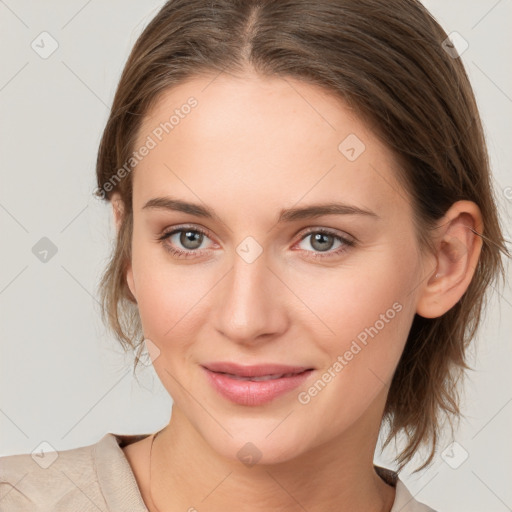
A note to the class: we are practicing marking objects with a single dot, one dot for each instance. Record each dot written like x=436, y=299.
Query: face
x=299, y=250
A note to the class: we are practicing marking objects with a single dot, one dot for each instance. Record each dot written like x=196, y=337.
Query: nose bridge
x=248, y=306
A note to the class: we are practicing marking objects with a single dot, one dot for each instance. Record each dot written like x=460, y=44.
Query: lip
x=257, y=370
x=226, y=379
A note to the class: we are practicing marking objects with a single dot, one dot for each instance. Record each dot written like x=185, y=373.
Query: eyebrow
x=286, y=215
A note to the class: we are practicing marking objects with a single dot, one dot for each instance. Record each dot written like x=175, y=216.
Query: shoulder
x=34, y=481
x=82, y=478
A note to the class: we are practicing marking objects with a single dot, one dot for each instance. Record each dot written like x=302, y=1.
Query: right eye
x=184, y=241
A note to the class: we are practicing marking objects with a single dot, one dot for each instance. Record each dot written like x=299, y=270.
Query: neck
x=186, y=474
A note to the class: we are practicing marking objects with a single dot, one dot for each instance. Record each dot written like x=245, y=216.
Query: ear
x=458, y=246
x=118, y=210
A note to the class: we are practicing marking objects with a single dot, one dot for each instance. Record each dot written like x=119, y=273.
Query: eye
x=185, y=242
x=190, y=238
x=323, y=240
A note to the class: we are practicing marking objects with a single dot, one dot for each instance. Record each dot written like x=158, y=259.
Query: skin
x=250, y=148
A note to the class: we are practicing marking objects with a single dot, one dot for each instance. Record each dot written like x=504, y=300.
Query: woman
x=305, y=232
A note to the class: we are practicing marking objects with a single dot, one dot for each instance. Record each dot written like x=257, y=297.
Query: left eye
x=324, y=241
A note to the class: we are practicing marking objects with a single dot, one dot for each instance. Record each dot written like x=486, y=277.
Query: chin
x=258, y=442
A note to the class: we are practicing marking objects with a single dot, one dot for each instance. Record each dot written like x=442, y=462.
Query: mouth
x=262, y=378
x=254, y=385
x=270, y=370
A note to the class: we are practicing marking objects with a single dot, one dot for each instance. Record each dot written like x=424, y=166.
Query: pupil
x=322, y=239
x=191, y=237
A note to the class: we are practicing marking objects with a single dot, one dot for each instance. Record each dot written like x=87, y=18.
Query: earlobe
x=118, y=209
x=458, y=247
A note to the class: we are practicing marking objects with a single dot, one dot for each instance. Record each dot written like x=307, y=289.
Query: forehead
x=270, y=139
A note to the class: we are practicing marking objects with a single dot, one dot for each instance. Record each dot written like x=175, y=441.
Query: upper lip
x=258, y=370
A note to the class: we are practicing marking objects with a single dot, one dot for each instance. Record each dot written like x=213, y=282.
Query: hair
x=387, y=62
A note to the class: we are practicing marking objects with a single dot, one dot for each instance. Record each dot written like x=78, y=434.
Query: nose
x=250, y=303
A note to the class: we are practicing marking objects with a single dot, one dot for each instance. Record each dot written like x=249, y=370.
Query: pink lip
x=247, y=392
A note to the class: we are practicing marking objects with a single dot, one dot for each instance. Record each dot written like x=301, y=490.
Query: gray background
x=63, y=379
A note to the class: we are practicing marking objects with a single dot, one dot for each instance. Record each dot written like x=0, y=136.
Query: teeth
x=263, y=377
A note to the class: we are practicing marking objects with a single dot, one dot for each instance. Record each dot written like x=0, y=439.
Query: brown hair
x=384, y=59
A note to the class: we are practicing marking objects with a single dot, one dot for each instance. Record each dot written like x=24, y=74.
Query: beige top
x=99, y=478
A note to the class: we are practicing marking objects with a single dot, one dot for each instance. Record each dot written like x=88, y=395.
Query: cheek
x=169, y=296
x=370, y=314
x=366, y=312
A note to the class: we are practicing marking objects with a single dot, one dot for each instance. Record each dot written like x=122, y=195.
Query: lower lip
x=248, y=392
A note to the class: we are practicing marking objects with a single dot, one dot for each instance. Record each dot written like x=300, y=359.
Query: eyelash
x=315, y=255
